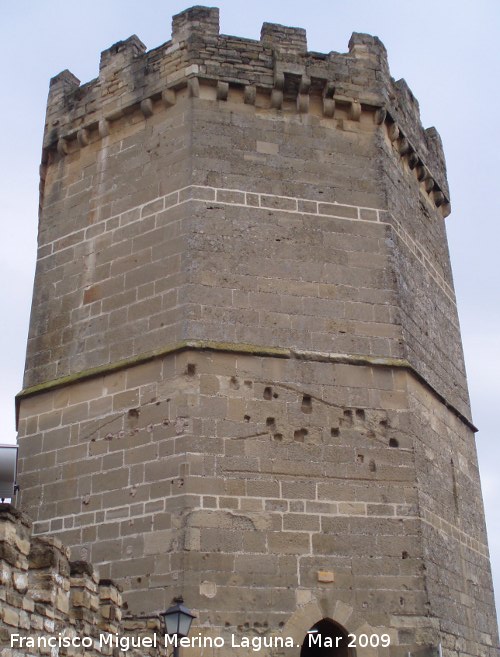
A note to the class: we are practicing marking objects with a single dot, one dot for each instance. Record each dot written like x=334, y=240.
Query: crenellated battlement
x=275, y=73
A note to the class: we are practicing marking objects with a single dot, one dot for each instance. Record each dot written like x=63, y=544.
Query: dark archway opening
x=326, y=639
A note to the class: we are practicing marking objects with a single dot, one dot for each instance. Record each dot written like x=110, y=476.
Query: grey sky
x=447, y=50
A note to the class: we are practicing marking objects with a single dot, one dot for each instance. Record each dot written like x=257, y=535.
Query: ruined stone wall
x=45, y=595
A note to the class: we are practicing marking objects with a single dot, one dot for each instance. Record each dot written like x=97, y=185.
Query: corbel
x=103, y=128
x=303, y=95
x=277, y=92
x=83, y=137
x=62, y=146
x=355, y=110
x=403, y=146
x=438, y=198
x=249, y=94
x=422, y=173
x=413, y=160
x=222, y=90
x=393, y=131
x=168, y=97
x=193, y=87
x=328, y=100
x=147, y=107
x=380, y=115
x=429, y=184
x=445, y=209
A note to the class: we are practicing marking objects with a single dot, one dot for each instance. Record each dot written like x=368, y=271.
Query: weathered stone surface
x=244, y=379
x=39, y=600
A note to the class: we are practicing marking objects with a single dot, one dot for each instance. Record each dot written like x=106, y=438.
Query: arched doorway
x=326, y=639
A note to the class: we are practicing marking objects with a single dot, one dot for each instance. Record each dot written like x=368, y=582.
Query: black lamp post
x=177, y=621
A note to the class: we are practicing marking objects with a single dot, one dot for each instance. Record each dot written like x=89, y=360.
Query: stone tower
x=244, y=379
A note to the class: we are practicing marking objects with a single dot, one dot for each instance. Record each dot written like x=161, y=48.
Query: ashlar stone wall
x=244, y=379
x=255, y=485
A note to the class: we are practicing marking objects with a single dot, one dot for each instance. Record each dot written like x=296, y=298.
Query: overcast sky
x=447, y=50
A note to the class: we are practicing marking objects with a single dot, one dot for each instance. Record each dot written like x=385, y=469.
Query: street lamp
x=177, y=621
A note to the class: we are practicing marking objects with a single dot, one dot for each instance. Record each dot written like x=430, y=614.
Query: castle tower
x=244, y=379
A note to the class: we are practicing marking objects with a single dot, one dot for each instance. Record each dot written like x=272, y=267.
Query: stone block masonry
x=46, y=598
x=244, y=379
x=227, y=475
